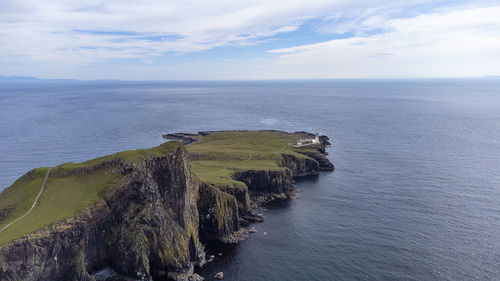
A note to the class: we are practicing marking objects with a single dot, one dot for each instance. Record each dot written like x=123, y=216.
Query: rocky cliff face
x=219, y=214
x=300, y=166
x=264, y=181
x=148, y=228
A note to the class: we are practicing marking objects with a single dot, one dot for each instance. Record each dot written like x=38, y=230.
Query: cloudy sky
x=256, y=39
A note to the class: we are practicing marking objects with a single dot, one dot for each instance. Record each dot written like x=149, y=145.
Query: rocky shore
x=155, y=224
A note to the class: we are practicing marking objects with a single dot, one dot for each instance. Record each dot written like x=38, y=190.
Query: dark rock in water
x=324, y=140
x=219, y=275
x=105, y=274
x=254, y=217
x=262, y=198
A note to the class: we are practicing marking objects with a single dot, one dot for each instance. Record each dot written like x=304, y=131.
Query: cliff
x=241, y=169
x=146, y=228
x=151, y=209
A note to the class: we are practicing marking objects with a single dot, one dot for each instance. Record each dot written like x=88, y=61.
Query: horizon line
x=17, y=78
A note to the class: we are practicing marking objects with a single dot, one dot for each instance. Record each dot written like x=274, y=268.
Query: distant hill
x=29, y=79
x=18, y=79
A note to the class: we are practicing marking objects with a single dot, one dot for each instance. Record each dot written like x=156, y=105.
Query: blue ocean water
x=415, y=194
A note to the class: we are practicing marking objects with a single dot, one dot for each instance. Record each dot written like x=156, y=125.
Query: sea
x=415, y=194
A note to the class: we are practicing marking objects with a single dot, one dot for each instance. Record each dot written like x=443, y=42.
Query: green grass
x=215, y=175
x=62, y=198
x=218, y=155
x=238, y=144
x=18, y=198
x=65, y=193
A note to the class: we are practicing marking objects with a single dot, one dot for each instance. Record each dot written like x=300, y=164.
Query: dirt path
x=34, y=203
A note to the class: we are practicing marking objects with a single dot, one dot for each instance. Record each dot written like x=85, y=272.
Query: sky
x=251, y=39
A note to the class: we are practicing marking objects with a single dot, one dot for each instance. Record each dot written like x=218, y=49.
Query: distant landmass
x=18, y=79
x=30, y=79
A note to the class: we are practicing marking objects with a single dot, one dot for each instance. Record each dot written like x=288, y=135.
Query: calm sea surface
x=416, y=192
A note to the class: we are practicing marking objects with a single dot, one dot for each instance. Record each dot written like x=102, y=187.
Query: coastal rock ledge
x=152, y=224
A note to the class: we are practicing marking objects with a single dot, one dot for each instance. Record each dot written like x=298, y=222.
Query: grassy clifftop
x=215, y=156
x=67, y=191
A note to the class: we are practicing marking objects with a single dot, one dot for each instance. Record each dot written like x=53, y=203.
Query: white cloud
x=457, y=43
x=46, y=29
x=92, y=39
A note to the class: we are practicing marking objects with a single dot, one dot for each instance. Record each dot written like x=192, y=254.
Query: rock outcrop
x=300, y=166
x=219, y=214
x=264, y=181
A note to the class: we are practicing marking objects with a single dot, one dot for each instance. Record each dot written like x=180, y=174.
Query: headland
x=145, y=214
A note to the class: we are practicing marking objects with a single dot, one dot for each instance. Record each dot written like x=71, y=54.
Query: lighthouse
x=306, y=142
x=316, y=138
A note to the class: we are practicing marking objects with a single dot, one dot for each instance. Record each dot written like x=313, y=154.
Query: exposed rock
x=184, y=138
x=219, y=275
x=219, y=215
x=320, y=156
x=259, y=198
x=263, y=181
x=5, y=213
x=300, y=167
x=254, y=217
x=242, y=198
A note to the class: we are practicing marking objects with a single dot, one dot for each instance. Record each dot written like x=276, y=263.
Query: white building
x=303, y=142
x=316, y=138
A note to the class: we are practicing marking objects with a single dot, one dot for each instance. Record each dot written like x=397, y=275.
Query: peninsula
x=145, y=214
